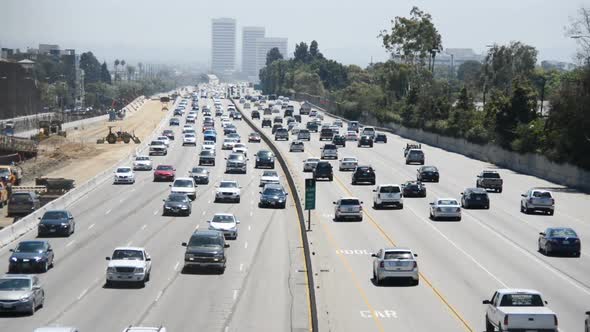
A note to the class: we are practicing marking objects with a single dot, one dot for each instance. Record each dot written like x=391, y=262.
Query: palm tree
x=117, y=62
x=123, y=65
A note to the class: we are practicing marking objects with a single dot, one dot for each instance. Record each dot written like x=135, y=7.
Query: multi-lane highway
x=262, y=289
x=461, y=263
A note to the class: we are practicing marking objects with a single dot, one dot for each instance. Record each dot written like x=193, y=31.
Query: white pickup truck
x=519, y=310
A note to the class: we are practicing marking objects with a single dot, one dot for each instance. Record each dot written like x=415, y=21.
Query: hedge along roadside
x=29, y=222
x=300, y=217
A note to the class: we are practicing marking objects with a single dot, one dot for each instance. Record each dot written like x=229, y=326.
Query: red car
x=254, y=137
x=164, y=173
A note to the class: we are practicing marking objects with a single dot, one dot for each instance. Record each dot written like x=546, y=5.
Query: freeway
x=461, y=263
x=268, y=249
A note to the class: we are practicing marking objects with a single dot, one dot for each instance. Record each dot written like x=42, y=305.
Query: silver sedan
x=445, y=208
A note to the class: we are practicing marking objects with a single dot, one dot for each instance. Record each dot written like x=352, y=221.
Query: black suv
x=275, y=127
x=381, y=138
x=413, y=189
x=427, y=173
x=265, y=158
x=266, y=122
x=339, y=140
x=255, y=115
x=205, y=249
x=323, y=170
x=364, y=174
x=326, y=134
x=365, y=141
x=475, y=198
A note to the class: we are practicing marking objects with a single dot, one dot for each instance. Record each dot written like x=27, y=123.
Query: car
x=562, y=240
x=489, y=180
x=276, y=127
x=281, y=134
x=21, y=293
x=168, y=133
x=351, y=135
x=427, y=173
x=309, y=164
x=164, y=139
x=414, y=189
x=329, y=151
x=353, y=126
x=415, y=156
x=200, y=175
x=304, y=135
x=210, y=135
x=174, y=122
x=264, y=158
x=158, y=148
x=31, y=255
x=587, y=322
x=326, y=134
x=266, y=122
x=338, y=123
x=227, y=190
x=395, y=263
x=273, y=195
x=178, y=111
x=254, y=138
x=124, y=174
x=269, y=177
x=208, y=145
x=348, y=164
x=187, y=127
x=228, y=143
x=236, y=162
x=164, y=173
x=240, y=148
x=128, y=264
x=235, y=136
x=475, y=198
x=267, y=111
x=380, y=138
x=410, y=146
x=142, y=163
x=191, y=118
x=207, y=157
x=247, y=106
x=56, y=222
x=348, y=208
x=369, y=131
x=296, y=146
x=447, y=208
x=189, y=139
x=185, y=186
x=237, y=116
x=22, y=203
x=388, y=195
x=205, y=249
x=230, y=129
x=177, y=204
x=363, y=174
x=519, y=310
x=339, y=140
x=365, y=141
x=255, y=115
x=537, y=200
x=323, y=170
x=312, y=126
x=226, y=223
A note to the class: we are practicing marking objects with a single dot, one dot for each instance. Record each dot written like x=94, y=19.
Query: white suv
x=537, y=200
x=129, y=264
x=388, y=194
x=184, y=186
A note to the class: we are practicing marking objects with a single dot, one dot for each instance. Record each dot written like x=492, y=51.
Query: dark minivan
x=205, y=249
x=22, y=203
x=323, y=170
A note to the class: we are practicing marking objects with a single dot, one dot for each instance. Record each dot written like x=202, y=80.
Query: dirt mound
x=73, y=150
x=53, y=141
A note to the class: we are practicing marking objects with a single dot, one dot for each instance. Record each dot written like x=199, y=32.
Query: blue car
x=210, y=135
x=560, y=240
x=32, y=255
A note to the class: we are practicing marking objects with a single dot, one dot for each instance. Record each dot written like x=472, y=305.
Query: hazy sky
x=180, y=30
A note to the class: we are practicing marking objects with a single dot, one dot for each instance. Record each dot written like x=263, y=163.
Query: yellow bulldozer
x=118, y=136
x=49, y=128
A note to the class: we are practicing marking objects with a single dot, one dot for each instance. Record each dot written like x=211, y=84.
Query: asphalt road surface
x=461, y=263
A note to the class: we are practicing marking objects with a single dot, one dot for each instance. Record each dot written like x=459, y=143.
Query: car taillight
x=382, y=264
x=552, y=201
x=415, y=265
x=458, y=209
x=555, y=319
x=506, y=320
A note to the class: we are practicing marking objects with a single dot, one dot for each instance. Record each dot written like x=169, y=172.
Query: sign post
x=309, y=199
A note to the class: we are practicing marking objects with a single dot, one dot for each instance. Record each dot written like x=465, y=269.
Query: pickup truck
x=489, y=180
x=519, y=310
x=158, y=148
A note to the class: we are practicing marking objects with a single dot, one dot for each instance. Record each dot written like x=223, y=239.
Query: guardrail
x=300, y=216
x=29, y=222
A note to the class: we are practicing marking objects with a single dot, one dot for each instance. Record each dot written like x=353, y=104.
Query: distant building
x=249, y=37
x=48, y=49
x=457, y=56
x=212, y=79
x=263, y=45
x=223, y=46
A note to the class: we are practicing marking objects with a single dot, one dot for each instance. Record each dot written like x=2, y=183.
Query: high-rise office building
x=223, y=46
x=263, y=45
x=249, y=37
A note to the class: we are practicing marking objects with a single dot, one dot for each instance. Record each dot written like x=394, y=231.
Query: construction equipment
x=11, y=173
x=49, y=128
x=119, y=136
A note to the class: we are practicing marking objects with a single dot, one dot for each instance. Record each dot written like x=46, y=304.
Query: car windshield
x=15, y=284
x=183, y=183
x=562, y=232
x=228, y=185
x=349, y=159
x=350, y=201
x=479, y=195
x=235, y=157
x=416, y=153
x=223, y=218
x=164, y=168
x=329, y=147
x=205, y=241
x=206, y=153
x=491, y=175
x=398, y=255
x=189, y=135
x=162, y=138
x=128, y=255
x=313, y=160
x=521, y=300
x=55, y=215
x=30, y=246
x=20, y=197
x=429, y=169
x=447, y=202
x=364, y=169
x=199, y=170
x=4, y=172
x=177, y=198
x=542, y=194
x=389, y=189
x=270, y=173
x=123, y=170
x=412, y=186
x=272, y=191
x=142, y=158
x=157, y=143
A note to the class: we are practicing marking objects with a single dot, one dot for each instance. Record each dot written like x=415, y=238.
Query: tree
x=413, y=39
x=314, y=50
x=117, y=62
x=91, y=67
x=521, y=108
x=301, y=52
x=105, y=75
x=273, y=55
x=469, y=73
x=580, y=30
x=505, y=63
x=140, y=67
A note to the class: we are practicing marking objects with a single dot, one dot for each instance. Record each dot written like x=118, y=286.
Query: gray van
x=23, y=203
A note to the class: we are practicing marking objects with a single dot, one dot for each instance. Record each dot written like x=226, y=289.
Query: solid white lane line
x=209, y=202
x=158, y=296
x=235, y=294
x=109, y=211
x=176, y=266
x=90, y=227
x=204, y=212
x=82, y=294
x=70, y=243
x=143, y=227
x=251, y=213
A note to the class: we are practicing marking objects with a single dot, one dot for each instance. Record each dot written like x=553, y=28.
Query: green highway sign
x=310, y=194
